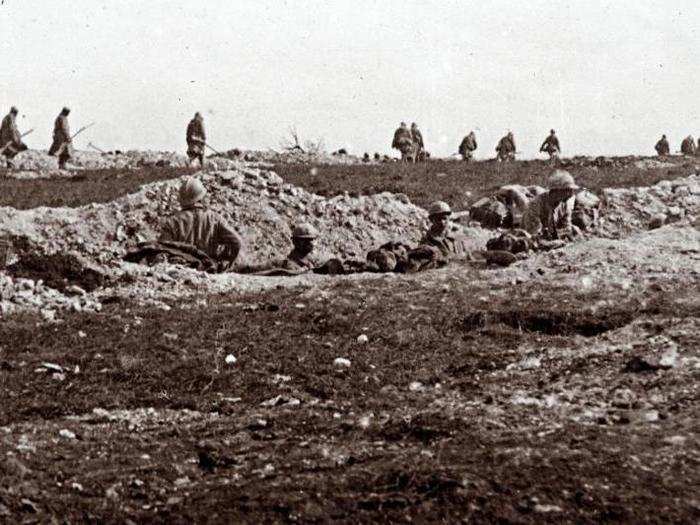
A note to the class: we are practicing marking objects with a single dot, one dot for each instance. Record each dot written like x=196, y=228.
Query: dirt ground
x=560, y=389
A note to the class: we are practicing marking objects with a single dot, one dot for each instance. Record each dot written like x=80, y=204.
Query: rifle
x=2, y=150
x=208, y=146
x=81, y=130
x=91, y=145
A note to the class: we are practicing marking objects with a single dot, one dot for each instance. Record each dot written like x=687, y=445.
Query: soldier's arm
x=228, y=237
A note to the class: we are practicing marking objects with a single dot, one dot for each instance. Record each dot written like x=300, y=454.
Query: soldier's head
x=439, y=216
x=562, y=186
x=663, y=136
x=414, y=125
x=403, y=125
x=65, y=111
x=303, y=238
x=552, y=132
x=192, y=192
x=198, y=116
x=14, y=111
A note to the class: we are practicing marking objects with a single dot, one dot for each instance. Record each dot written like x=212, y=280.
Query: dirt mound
x=38, y=164
x=293, y=156
x=255, y=202
x=632, y=209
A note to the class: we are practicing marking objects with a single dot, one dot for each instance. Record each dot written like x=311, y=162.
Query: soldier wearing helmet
x=196, y=139
x=551, y=145
x=663, y=148
x=62, y=146
x=10, y=139
x=194, y=224
x=300, y=258
x=438, y=235
x=550, y=213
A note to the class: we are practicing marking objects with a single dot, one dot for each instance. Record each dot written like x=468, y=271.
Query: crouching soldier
x=438, y=234
x=549, y=215
x=301, y=259
x=195, y=225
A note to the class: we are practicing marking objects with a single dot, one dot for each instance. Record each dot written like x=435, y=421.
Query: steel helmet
x=439, y=208
x=191, y=191
x=304, y=231
x=561, y=179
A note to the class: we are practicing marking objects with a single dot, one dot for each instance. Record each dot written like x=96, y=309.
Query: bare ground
x=561, y=389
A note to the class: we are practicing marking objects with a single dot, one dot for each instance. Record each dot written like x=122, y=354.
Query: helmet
x=191, y=191
x=552, y=131
x=439, y=208
x=304, y=231
x=65, y=110
x=561, y=179
x=14, y=110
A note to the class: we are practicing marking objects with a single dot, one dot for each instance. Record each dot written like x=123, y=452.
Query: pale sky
x=609, y=76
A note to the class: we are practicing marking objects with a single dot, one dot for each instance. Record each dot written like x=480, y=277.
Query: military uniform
x=62, y=145
x=506, y=148
x=403, y=141
x=448, y=244
x=541, y=217
x=297, y=262
x=551, y=146
x=196, y=139
x=688, y=146
x=663, y=147
x=467, y=146
x=10, y=138
x=203, y=229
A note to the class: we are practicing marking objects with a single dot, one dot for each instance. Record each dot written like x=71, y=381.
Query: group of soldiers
x=688, y=146
x=538, y=217
x=11, y=143
x=409, y=142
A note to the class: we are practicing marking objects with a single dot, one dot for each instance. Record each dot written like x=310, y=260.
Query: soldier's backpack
x=490, y=212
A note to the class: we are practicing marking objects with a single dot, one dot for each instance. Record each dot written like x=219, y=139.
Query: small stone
x=231, y=359
x=341, y=362
x=362, y=339
x=67, y=434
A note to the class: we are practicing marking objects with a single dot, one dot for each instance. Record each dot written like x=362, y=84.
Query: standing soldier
x=468, y=146
x=506, y=148
x=662, y=147
x=417, y=139
x=403, y=141
x=196, y=139
x=688, y=146
x=10, y=139
x=62, y=146
x=551, y=145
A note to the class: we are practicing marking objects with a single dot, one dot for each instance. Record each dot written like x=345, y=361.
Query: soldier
x=403, y=141
x=199, y=227
x=438, y=235
x=468, y=146
x=551, y=145
x=417, y=139
x=662, y=147
x=506, y=148
x=10, y=139
x=688, y=146
x=299, y=259
x=196, y=139
x=550, y=213
x=62, y=145
x=516, y=199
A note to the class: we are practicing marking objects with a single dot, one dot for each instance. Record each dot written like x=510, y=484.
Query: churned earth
x=560, y=389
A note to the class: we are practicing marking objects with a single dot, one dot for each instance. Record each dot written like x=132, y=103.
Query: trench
x=550, y=322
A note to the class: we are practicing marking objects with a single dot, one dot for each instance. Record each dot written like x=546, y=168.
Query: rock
x=341, y=362
x=657, y=221
x=67, y=434
x=230, y=359
x=362, y=339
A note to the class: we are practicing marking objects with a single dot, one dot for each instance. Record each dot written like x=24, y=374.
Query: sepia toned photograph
x=349, y=261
